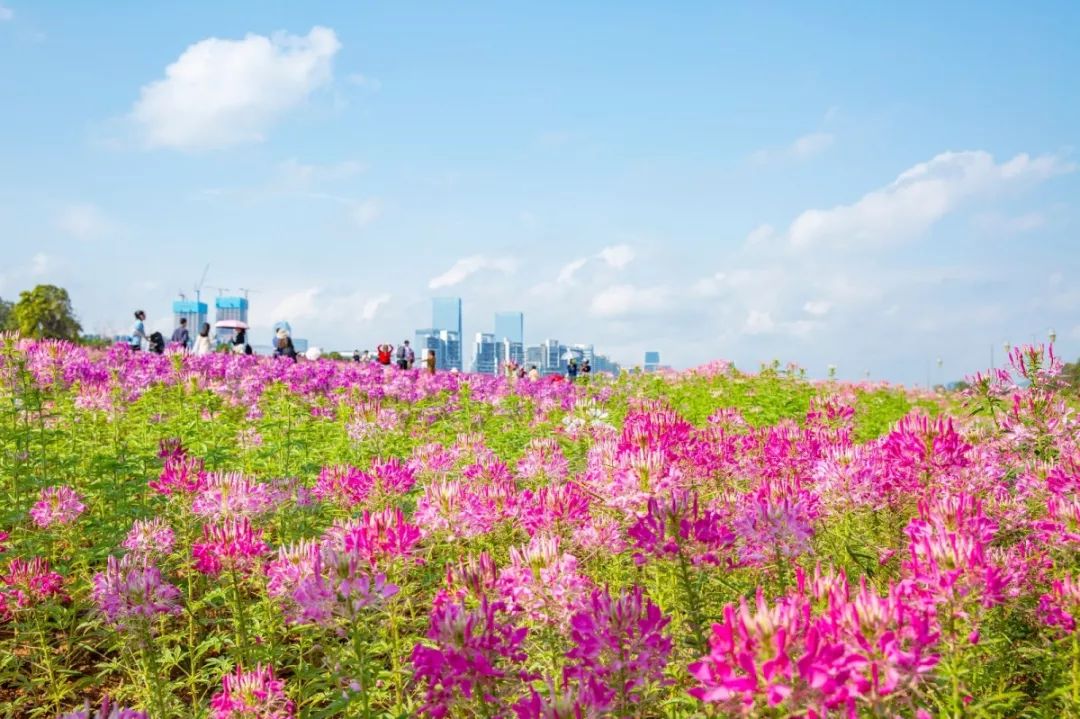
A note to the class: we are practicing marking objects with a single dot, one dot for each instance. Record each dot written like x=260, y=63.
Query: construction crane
x=220, y=290
x=198, y=287
x=245, y=290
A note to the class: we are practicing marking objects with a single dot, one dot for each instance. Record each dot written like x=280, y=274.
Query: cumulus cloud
x=40, y=263
x=371, y=307
x=758, y=322
x=628, y=300
x=83, y=221
x=6, y=13
x=365, y=212
x=466, y=267
x=297, y=305
x=818, y=308
x=223, y=92
x=918, y=198
x=802, y=148
x=566, y=274
x=617, y=256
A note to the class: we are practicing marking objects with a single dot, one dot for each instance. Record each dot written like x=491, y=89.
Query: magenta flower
x=3, y=538
x=542, y=581
x=620, y=649
x=474, y=655
x=26, y=584
x=57, y=505
x=378, y=537
x=132, y=590
x=348, y=486
x=339, y=587
x=150, y=537
x=234, y=495
x=1061, y=605
x=392, y=476
x=254, y=694
x=554, y=507
x=233, y=544
x=676, y=526
x=106, y=710
x=771, y=528
x=180, y=473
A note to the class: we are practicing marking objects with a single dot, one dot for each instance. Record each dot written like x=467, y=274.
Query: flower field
x=227, y=536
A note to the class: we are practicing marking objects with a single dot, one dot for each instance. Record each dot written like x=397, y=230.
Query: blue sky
x=872, y=187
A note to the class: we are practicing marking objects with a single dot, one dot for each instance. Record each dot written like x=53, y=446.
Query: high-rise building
x=428, y=339
x=652, y=361
x=191, y=310
x=509, y=338
x=446, y=316
x=229, y=308
x=451, y=342
x=534, y=355
x=510, y=326
x=484, y=353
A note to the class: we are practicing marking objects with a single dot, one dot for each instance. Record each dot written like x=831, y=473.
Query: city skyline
x=765, y=182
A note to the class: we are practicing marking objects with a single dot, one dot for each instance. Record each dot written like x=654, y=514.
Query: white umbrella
x=231, y=325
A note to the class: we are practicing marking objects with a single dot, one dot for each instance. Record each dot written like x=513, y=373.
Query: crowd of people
x=403, y=356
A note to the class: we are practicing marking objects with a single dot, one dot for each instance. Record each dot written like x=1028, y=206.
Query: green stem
x=693, y=604
x=153, y=671
x=239, y=617
x=361, y=659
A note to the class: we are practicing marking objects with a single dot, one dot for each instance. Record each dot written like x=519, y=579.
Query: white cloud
x=365, y=212
x=818, y=308
x=626, y=300
x=40, y=264
x=566, y=274
x=6, y=13
x=993, y=222
x=802, y=148
x=83, y=221
x=299, y=175
x=918, y=198
x=813, y=144
x=371, y=307
x=760, y=235
x=464, y=268
x=758, y=323
x=297, y=306
x=222, y=92
x=368, y=83
x=617, y=256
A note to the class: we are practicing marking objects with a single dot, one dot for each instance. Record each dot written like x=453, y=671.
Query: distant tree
x=5, y=313
x=45, y=312
x=1070, y=375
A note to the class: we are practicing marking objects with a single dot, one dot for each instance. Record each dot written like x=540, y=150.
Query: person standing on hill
x=385, y=354
x=180, y=335
x=572, y=369
x=429, y=361
x=410, y=356
x=403, y=355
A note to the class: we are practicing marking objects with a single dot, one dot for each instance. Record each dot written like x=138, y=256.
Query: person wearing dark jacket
x=180, y=335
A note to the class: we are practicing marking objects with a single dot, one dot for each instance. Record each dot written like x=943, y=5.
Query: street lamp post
x=1053, y=336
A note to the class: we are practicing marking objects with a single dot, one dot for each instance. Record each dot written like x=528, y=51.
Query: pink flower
x=676, y=526
x=106, y=710
x=181, y=473
x=472, y=654
x=150, y=537
x=254, y=694
x=3, y=538
x=131, y=590
x=26, y=584
x=231, y=495
x=378, y=537
x=57, y=505
x=348, y=486
x=1061, y=605
x=233, y=544
x=338, y=588
x=543, y=581
x=771, y=527
x=392, y=476
x=554, y=507
x=620, y=649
